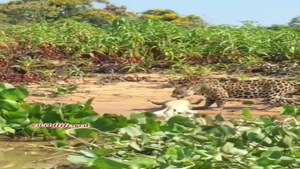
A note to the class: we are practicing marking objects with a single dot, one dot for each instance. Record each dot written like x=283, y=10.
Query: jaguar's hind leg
x=279, y=101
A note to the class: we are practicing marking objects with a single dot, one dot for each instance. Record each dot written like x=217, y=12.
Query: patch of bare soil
x=125, y=96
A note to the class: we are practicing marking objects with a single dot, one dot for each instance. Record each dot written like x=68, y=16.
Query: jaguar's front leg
x=208, y=103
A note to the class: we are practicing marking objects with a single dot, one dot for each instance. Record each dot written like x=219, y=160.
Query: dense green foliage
x=35, y=34
x=173, y=17
x=141, y=141
x=153, y=40
x=26, y=12
x=112, y=38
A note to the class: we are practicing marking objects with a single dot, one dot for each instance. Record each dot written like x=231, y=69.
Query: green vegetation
x=141, y=141
x=159, y=40
x=113, y=39
x=42, y=40
x=173, y=17
x=137, y=45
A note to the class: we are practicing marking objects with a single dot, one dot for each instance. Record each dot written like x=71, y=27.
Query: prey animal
x=176, y=107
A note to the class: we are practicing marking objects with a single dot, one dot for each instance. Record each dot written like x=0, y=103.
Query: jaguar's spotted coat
x=274, y=92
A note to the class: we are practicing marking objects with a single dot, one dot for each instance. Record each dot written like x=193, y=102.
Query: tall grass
x=156, y=40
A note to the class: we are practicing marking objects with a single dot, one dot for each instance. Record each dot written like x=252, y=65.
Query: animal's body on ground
x=274, y=92
x=176, y=107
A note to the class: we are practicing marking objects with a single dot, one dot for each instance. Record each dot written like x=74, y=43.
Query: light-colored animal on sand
x=172, y=108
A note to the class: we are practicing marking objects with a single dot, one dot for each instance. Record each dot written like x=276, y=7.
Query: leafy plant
x=141, y=141
x=60, y=90
x=182, y=143
x=133, y=45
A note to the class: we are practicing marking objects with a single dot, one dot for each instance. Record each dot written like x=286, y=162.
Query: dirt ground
x=127, y=97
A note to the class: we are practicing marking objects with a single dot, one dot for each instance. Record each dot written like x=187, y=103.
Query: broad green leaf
x=103, y=152
x=46, y=132
x=291, y=134
x=87, y=119
x=265, y=161
x=218, y=157
x=109, y=163
x=52, y=116
x=237, y=151
x=255, y=134
x=89, y=102
x=179, y=120
x=151, y=125
x=287, y=140
x=139, y=163
x=296, y=154
x=109, y=123
x=2, y=122
x=272, y=154
x=287, y=161
x=200, y=138
x=18, y=121
x=88, y=109
x=171, y=153
x=258, y=167
x=131, y=131
x=15, y=94
x=87, y=153
x=78, y=159
x=238, y=142
x=2, y=131
x=85, y=133
x=9, y=105
x=9, y=130
x=226, y=130
x=14, y=115
x=228, y=148
x=4, y=86
x=135, y=146
x=220, y=117
x=227, y=123
x=247, y=113
x=137, y=115
x=291, y=110
x=60, y=133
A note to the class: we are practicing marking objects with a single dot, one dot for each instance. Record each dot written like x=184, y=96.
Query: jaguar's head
x=182, y=91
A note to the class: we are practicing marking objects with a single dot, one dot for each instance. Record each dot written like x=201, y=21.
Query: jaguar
x=275, y=92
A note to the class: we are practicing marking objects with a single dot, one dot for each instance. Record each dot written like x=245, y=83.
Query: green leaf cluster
x=142, y=141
